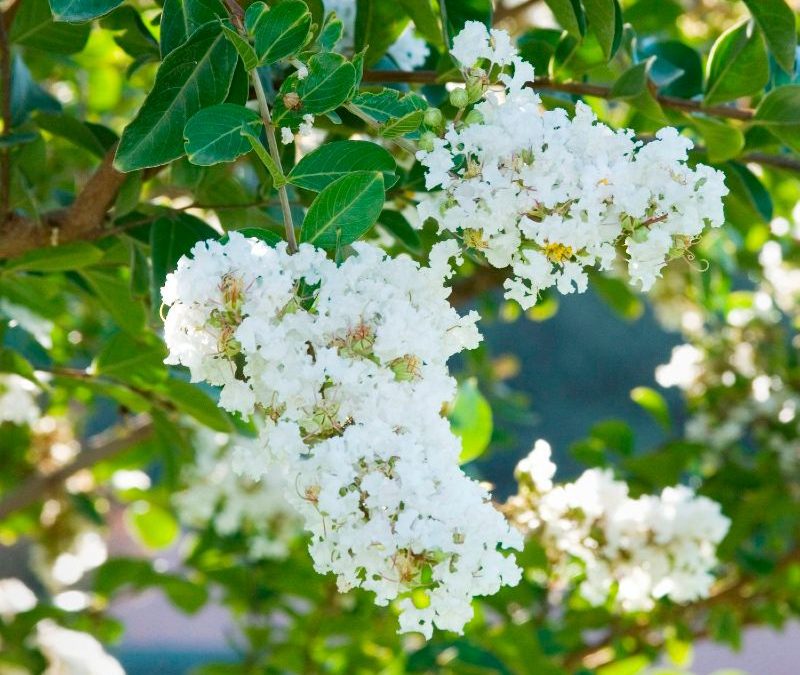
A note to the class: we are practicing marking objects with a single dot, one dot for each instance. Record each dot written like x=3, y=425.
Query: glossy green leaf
x=57, y=258
x=172, y=237
x=397, y=224
x=34, y=27
x=722, y=141
x=131, y=359
x=332, y=161
x=194, y=76
x=26, y=95
x=378, y=25
x=329, y=82
x=779, y=111
x=131, y=34
x=280, y=32
x=745, y=185
x=677, y=69
x=458, y=12
x=471, y=420
x=400, y=126
x=425, y=18
x=777, y=21
x=81, y=10
x=344, y=210
x=243, y=47
x=570, y=16
x=114, y=294
x=331, y=32
x=737, y=65
x=605, y=21
x=181, y=18
x=389, y=104
x=190, y=399
x=214, y=134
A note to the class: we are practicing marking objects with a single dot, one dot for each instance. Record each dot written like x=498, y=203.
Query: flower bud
x=433, y=118
x=474, y=91
x=459, y=98
x=473, y=117
x=426, y=141
x=292, y=100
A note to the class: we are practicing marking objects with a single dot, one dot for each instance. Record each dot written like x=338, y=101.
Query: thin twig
x=98, y=448
x=578, y=88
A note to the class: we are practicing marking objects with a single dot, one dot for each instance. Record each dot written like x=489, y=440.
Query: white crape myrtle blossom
x=346, y=369
x=408, y=51
x=634, y=551
x=550, y=196
x=18, y=400
x=215, y=495
x=71, y=652
x=15, y=598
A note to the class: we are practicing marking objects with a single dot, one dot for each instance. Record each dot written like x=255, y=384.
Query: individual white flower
x=307, y=125
x=287, y=135
x=15, y=598
x=550, y=196
x=348, y=403
x=70, y=652
x=18, y=400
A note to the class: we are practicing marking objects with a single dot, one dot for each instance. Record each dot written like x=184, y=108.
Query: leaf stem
x=272, y=141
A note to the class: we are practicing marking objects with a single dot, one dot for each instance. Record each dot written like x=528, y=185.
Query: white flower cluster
x=67, y=652
x=346, y=368
x=550, y=195
x=18, y=400
x=632, y=550
x=408, y=51
x=229, y=503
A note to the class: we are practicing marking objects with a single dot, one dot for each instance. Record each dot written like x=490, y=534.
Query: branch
x=578, y=88
x=98, y=448
x=505, y=12
x=84, y=219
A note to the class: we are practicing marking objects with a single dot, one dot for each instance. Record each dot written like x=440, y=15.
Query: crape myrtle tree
x=239, y=243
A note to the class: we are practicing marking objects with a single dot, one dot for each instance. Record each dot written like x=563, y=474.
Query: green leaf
x=12, y=361
x=722, y=141
x=81, y=10
x=425, y=19
x=344, y=210
x=745, y=185
x=278, y=179
x=378, y=25
x=605, y=21
x=471, y=420
x=243, y=48
x=171, y=238
x=34, y=27
x=181, y=18
x=779, y=111
x=737, y=65
x=131, y=359
x=777, y=21
x=396, y=223
x=677, y=69
x=57, y=258
x=569, y=15
x=331, y=32
x=633, y=665
x=654, y=404
x=280, y=32
x=331, y=161
x=328, y=84
x=114, y=294
x=400, y=126
x=190, y=399
x=389, y=106
x=153, y=525
x=458, y=12
x=618, y=295
x=73, y=130
x=633, y=86
x=194, y=76
x=267, y=236
x=214, y=134
x=27, y=95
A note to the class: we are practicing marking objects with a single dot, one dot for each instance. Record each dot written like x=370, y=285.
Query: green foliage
x=471, y=420
x=332, y=161
x=344, y=210
x=214, y=134
x=81, y=10
x=737, y=65
x=280, y=32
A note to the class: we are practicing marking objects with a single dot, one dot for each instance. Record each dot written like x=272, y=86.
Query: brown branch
x=98, y=448
x=504, y=12
x=578, y=88
x=83, y=220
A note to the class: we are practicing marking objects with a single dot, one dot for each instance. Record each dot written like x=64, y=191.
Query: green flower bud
x=426, y=141
x=473, y=117
x=475, y=91
x=459, y=98
x=433, y=118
